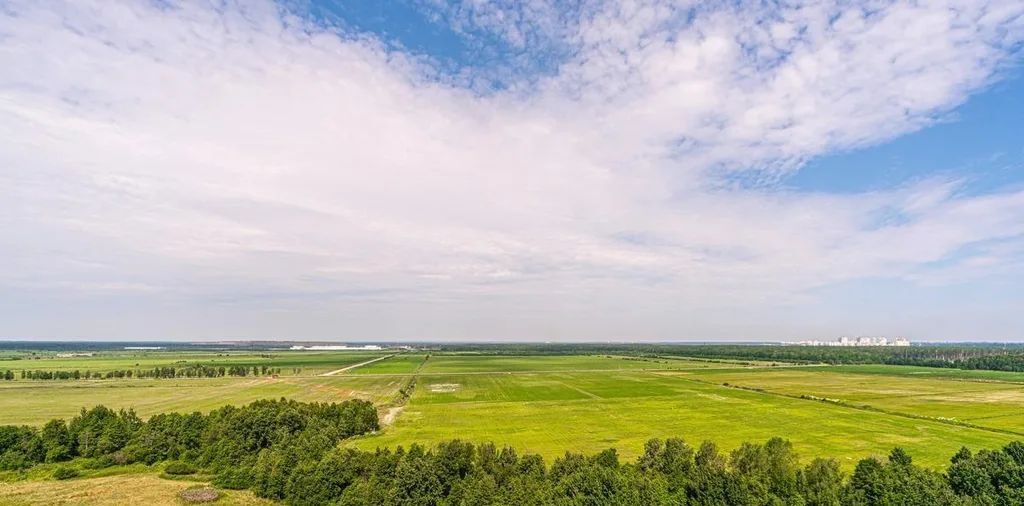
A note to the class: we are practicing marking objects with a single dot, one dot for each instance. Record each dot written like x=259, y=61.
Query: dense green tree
x=821, y=482
x=56, y=440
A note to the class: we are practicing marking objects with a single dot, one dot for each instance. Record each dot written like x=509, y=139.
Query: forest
x=294, y=452
x=987, y=356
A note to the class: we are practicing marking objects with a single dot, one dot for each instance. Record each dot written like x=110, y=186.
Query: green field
x=548, y=413
x=399, y=364
x=552, y=403
x=498, y=364
x=290, y=362
x=987, y=403
x=35, y=402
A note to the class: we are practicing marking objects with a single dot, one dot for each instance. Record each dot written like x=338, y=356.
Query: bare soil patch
x=444, y=387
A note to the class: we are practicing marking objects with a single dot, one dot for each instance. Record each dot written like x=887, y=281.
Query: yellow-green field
x=35, y=402
x=549, y=413
x=288, y=361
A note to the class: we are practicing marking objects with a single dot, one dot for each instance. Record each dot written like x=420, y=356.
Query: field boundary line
x=349, y=368
x=582, y=391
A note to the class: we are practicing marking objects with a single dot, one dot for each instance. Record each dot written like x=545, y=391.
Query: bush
x=101, y=462
x=238, y=478
x=180, y=468
x=65, y=473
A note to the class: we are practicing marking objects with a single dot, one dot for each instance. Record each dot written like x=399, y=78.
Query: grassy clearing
x=35, y=402
x=112, y=490
x=549, y=413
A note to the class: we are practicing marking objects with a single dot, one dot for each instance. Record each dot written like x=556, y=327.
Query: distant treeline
x=289, y=451
x=988, y=356
x=192, y=371
x=961, y=357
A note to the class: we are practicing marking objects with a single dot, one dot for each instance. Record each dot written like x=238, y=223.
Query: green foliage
x=235, y=478
x=64, y=473
x=180, y=469
x=287, y=463
x=225, y=438
x=668, y=472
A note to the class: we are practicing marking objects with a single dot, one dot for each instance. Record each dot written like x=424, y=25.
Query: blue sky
x=491, y=170
x=980, y=142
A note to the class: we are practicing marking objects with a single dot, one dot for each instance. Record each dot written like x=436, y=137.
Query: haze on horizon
x=650, y=170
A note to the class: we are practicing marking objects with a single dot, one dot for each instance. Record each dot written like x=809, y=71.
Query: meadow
x=35, y=402
x=288, y=361
x=550, y=404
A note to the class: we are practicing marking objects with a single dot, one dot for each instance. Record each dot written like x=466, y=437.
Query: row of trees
x=191, y=371
x=289, y=451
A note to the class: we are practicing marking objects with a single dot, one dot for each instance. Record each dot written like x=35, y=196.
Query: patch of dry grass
x=112, y=491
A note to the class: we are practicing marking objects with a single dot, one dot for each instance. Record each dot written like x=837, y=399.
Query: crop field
x=35, y=402
x=542, y=405
x=934, y=372
x=988, y=403
x=399, y=364
x=498, y=364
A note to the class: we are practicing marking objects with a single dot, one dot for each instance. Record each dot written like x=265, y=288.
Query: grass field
x=496, y=364
x=146, y=489
x=549, y=413
x=399, y=364
x=35, y=402
x=550, y=404
x=990, y=404
x=301, y=362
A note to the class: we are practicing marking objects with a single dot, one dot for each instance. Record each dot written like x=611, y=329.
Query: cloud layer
x=243, y=172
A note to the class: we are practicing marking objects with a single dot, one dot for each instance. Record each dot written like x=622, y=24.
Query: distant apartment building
x=857, y=341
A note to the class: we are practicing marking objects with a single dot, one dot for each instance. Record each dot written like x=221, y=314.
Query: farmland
x=546, y=412
x=289, y=362
x=548, y=404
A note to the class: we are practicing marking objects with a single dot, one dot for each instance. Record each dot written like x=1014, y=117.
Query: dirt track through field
x=349, y=368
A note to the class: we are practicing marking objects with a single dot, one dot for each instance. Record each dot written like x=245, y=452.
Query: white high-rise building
x=857, y=341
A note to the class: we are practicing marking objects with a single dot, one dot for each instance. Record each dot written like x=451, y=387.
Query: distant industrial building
x=857, y=341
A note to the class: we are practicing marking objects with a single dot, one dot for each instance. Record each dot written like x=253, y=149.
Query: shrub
x=65, y=473
x=238, y=478
x=180, y=468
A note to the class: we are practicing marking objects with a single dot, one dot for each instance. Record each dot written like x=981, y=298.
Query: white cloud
x=190, y=156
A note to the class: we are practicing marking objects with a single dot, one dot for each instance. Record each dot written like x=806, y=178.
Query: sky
x=494, y=170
